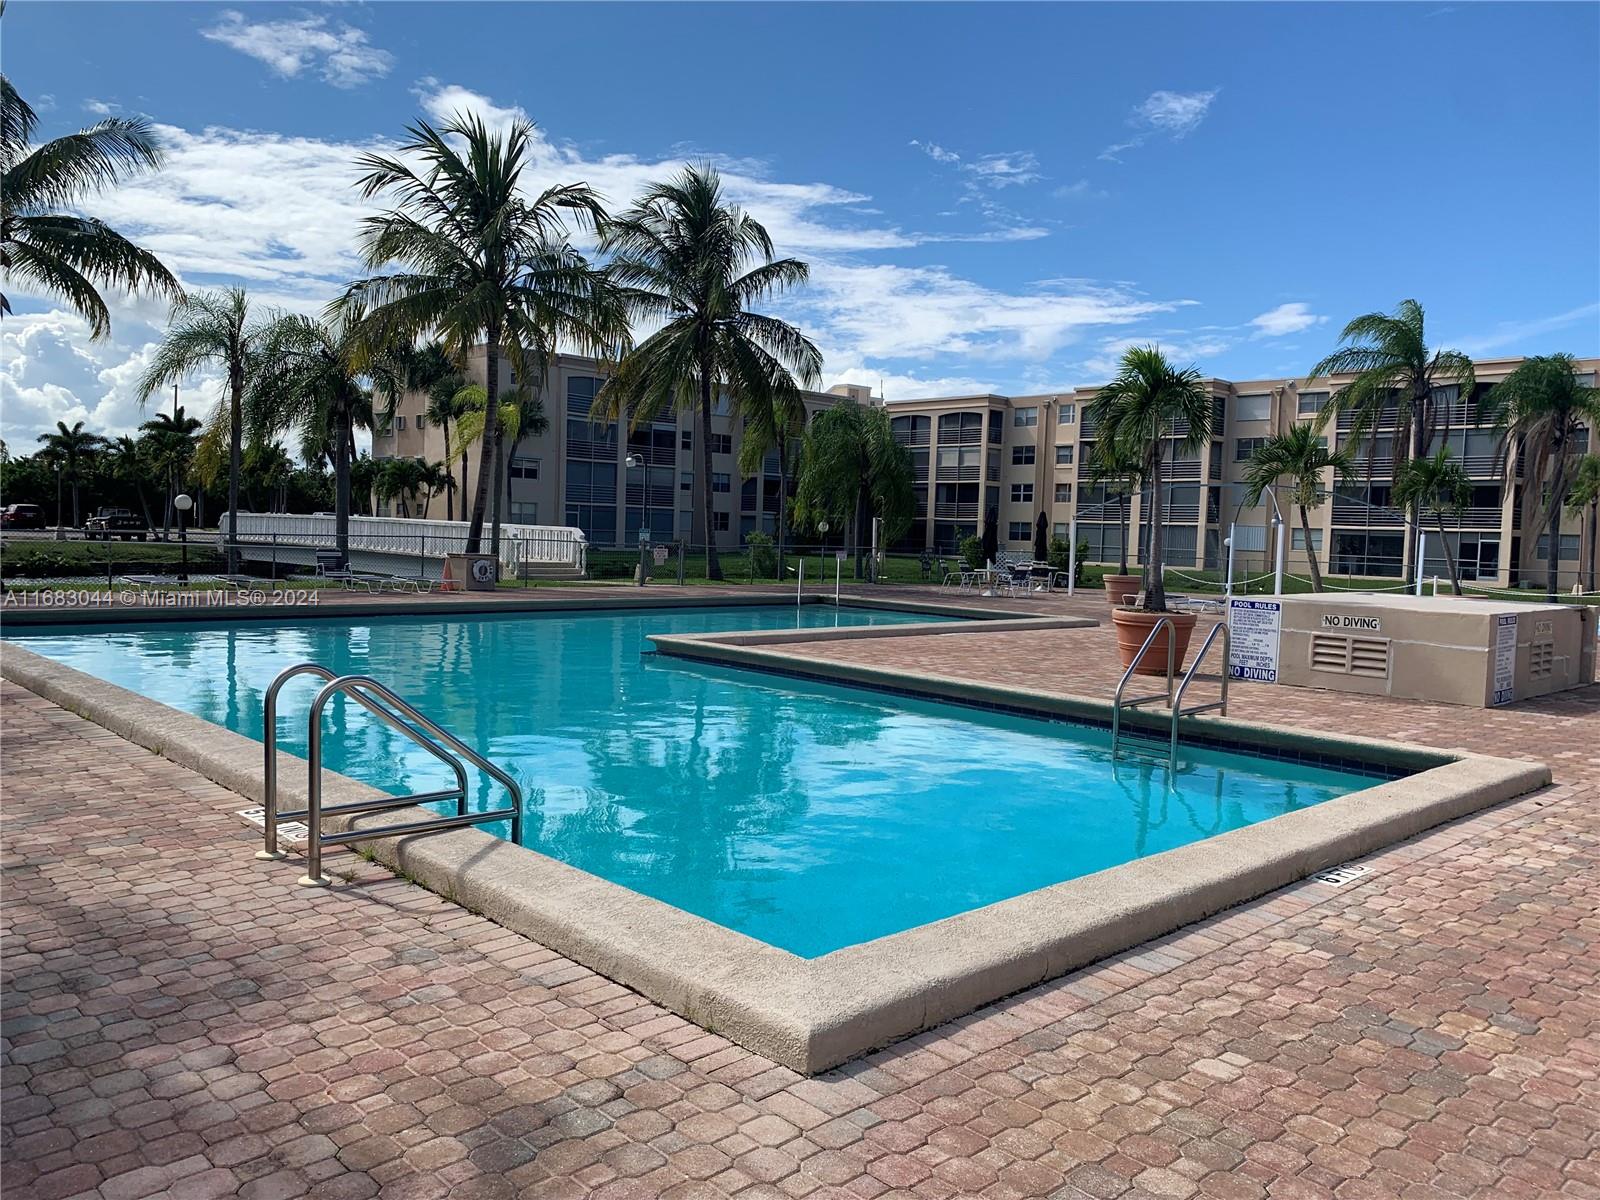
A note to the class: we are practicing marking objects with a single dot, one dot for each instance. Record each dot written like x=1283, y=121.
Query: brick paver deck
x=181, y=1020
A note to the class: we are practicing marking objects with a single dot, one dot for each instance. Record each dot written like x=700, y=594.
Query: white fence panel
x=556, y=545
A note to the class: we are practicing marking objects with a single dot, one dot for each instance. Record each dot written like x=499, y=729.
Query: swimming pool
x=808, y=816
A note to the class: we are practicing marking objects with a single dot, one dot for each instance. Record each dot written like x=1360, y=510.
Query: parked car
x=111, y=523
x=22, y=516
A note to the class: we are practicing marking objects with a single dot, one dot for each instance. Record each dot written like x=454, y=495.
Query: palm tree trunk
x=783, y=498
x=235, y=452
x=1155, y=588
x=1552, y=556
x=1449, y=559
x=1311, y=552
x=713, y=563
x=341, y=486
x=502, y=489
x=858, y=525
x=1122, y=516
x=1594, y=542
x=1419, y=451
x=449, y=492
x=486, y=443
x=77, y=520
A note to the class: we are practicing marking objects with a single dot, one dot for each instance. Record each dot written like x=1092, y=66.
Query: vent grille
x=1343, y=655
x=1542, y=659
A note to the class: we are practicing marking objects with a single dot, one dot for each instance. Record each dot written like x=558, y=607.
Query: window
x=722, y=443
x=524, y=512
x=1063, y=456
x=686, y=481
x=1255, y=407
x=721, y=482
x=524, y=468
x=1297, y=539
x=1022, y=456
x=1060, y=531
x=1568, y=547
x=1025, y=417
x=422, y=422
x=1311, y=403
x=400, y=422
x=1022, y=493
x=719, y=522
x=687, y=440
x=722, y=406
x=1067, y=414
x=1019, y=531
x=1063, y=493
x=1245, y=448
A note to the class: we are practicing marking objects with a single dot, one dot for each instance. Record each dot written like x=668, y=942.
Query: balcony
x=654, y=497
x=1182, y=471
x=1353, y=512
x=945, y=511
x=967, y=474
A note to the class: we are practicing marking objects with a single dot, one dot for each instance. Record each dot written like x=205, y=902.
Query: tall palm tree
x=71, y=450
x=1542, y=408
x=1113, y=467
x=170, y=438
x=1303, y=456
x=1436, y=484
x=433, y=373
x=479, y=262
x=269, y=464
x=213, y=330
x=1584, y=494
x=695, y=265
x=1395, y=373
x=1137, y=413
x=774, y=423
x=851, y=470
x=521, y=416
x=310, y=383
x=129, y=461
x=59, y=253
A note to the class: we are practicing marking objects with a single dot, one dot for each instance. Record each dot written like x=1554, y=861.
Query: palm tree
x=71, y=450
x=1137, y=413
x=267, y=463
x=1542, y=408
x=171, y=439
x=399, y=479
x=129, y=460
x=695, y=264
x=851, y=470
x=1114, y=468
x=774, y=423
x=215, y=330
x=521, y=416
x=1395, y=375
x=1584, y=493
x=59, y=253
x=435, y=375
x=483, y=264
x=1303, y=456
x=309, y=383
x=1439, y=485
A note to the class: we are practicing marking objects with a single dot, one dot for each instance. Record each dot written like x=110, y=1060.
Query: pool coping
x=812, y=1014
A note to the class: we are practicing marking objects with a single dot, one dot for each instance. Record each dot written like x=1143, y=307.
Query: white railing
x=519, y=544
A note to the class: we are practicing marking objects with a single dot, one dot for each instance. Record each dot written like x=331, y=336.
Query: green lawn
x=87, y=560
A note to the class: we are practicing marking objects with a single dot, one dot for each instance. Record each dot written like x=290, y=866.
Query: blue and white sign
x=1505, y=658
x=1254, y=627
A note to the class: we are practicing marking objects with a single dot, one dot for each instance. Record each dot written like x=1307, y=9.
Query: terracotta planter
x=1119, y=587
x=1134, y=626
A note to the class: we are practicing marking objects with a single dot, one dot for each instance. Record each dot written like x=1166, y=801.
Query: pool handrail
x=1188, y=677
x=1118, y=703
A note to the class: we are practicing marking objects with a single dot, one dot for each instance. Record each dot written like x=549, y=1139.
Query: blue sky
x=992, y=197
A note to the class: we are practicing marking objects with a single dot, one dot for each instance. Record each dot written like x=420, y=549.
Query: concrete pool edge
x=813, y=1014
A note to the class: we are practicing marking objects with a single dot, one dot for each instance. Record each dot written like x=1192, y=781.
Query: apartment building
x=576, y=473
x=1019, y=456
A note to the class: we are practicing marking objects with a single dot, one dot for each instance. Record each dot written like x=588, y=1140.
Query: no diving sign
x=1253, y=631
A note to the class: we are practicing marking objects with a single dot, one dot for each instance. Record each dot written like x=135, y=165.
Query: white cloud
x=936, y=152
x=1286, y=319
x=1519, y=333
x=339, y=53
x=1168, y=114
x=100, y=108
x=1005, y=170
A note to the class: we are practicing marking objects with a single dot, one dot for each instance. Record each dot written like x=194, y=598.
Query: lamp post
x=183, y=504
x=61, y=534
x=637, y=460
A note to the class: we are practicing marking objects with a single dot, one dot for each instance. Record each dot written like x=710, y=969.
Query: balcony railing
x=1346, y=512
x=945, y=511
x=969, y=474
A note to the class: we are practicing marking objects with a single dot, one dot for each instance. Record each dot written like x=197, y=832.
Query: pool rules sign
x=1253, y=629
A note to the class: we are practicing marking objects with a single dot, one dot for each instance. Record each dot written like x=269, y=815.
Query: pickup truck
x=111, y=523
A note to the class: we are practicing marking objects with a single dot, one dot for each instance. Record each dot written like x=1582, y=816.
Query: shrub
x=972, y=552
x=763, y=557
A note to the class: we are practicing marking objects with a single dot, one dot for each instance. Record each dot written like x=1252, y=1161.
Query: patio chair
x=331, y=565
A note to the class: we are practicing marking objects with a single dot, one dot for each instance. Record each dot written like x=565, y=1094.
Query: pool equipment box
x=1448, y=649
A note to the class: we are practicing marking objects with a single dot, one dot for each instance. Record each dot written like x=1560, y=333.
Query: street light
x=183, y=504
x=637, y=460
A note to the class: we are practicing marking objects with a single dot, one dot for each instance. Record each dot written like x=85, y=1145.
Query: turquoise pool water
x=807, y=816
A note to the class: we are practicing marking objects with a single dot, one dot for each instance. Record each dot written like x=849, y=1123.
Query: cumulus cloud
x=339, y=53
x=1165, y=114
x=1286, y=319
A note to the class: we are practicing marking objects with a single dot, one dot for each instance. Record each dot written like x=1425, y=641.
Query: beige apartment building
x=576, y=472
x=1019, y=456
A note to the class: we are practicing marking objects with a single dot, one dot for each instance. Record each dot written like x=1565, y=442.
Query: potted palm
x=1113, y=468
x=1149, y=404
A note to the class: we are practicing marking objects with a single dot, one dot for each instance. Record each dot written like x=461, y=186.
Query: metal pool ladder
x=1173, y=701
x=393, y=711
